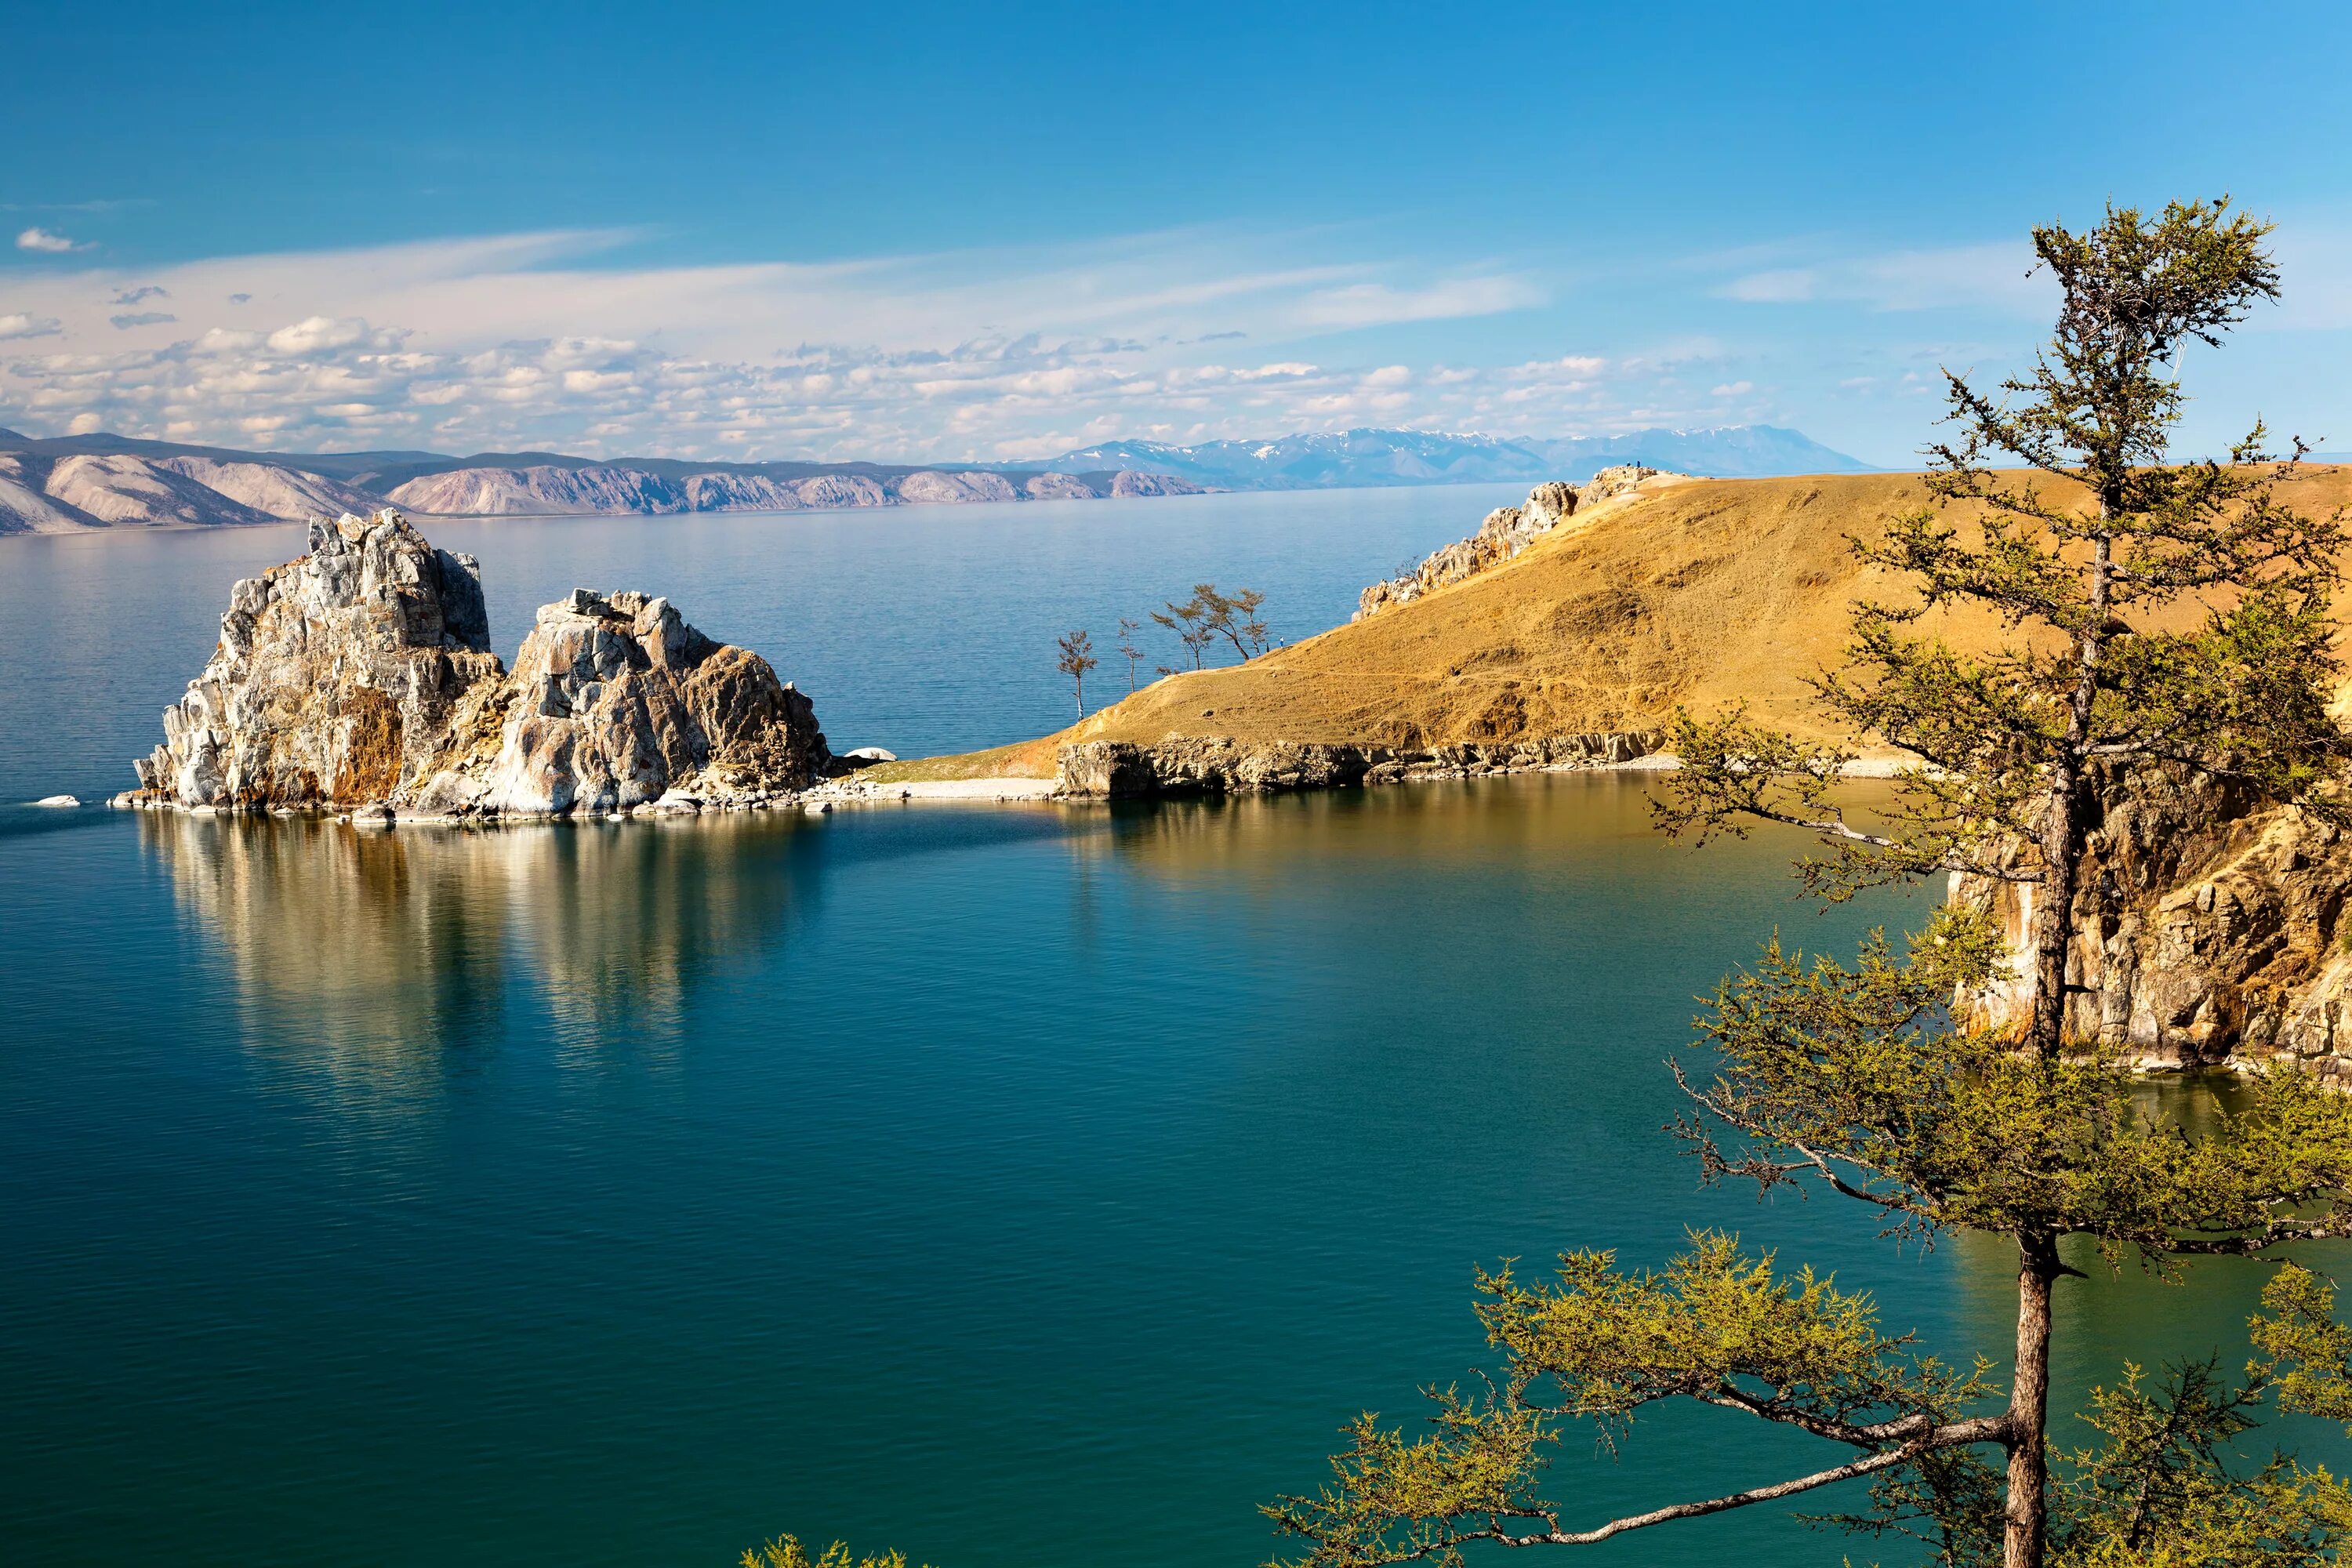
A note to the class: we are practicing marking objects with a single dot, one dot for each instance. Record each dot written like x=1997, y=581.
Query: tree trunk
x=2029, y=1405
x=2054, y=913
x=2061, y=827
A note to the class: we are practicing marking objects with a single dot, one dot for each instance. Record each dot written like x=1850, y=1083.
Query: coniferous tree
x=2158, y=616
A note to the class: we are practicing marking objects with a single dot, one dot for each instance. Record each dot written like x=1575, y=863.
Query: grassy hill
x=1697, y=594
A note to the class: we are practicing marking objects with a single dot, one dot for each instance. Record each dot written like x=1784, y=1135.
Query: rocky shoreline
x=1123, y=770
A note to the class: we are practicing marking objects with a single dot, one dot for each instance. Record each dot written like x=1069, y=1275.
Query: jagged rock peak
x=359, y=677
x=617, y=702
x=334, y=677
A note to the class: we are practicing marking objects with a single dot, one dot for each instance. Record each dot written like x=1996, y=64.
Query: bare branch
x=1980, y=1429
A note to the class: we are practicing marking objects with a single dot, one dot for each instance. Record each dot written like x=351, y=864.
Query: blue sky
x=932, y=232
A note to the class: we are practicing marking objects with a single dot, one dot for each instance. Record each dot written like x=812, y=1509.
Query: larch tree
x=1233, y=617
x=1078, y=657
x=1189, y=621
x=2151, y=614
x=1127, y=649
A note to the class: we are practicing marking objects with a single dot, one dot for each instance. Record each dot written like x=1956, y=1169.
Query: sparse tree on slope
x=1078, y=657
x=1127, y=649
x=2160, y=616
x=1188, y=620
x=1232, y=617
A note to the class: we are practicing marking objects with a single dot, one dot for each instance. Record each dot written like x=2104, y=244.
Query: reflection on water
x=369, y=958
x=622, y=1192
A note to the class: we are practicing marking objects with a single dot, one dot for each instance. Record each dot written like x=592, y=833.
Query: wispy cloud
x=1982, y=276
x=17, y=324
x=46, y=243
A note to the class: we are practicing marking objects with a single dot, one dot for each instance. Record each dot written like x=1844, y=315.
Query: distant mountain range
x=1364, y=457
x=69, y=483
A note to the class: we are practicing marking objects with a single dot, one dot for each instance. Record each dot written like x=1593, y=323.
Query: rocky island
x=359, y=677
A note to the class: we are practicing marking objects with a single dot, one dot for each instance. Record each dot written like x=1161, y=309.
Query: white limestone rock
x=334, y=677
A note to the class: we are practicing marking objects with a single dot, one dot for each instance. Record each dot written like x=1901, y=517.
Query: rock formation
x=334, y=678
x=617, y=702
x=2208, y=925
x=1506, y=532
x=359, y=677
x=1123, y=769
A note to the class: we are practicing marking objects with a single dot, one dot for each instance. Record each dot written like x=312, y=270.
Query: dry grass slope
x=1696, y=595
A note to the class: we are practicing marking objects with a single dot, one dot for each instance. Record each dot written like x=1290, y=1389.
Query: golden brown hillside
x=1695, y=594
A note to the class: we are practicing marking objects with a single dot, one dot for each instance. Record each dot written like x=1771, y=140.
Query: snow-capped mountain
x=1374, y=456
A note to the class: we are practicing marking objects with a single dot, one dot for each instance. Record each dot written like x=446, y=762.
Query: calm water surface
x=1024, y=1186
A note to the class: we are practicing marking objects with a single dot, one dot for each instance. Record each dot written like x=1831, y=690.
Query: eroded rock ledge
x=1125, y=770
x=1506, y=530
x=359, y=677
x=2208, y=927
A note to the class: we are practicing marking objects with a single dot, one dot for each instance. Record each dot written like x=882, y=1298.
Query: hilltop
x=1684, y=593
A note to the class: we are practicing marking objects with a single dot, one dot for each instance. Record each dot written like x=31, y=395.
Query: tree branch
x=1956, y=1434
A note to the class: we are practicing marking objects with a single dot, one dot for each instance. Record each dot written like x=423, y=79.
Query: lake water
x=1016, y=1185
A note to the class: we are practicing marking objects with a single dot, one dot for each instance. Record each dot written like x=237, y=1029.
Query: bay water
x=1022, y=1184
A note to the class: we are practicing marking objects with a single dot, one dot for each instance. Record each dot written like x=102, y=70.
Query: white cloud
x=521, y=341
x=46, y=243
x=1732, y=389
x=315, y=333
x=17, y=324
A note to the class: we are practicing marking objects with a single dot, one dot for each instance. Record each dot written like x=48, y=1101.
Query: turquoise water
x=1019, y=1186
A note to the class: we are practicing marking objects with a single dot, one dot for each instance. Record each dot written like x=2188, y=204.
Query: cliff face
x=359, y=677
x=2207, y=927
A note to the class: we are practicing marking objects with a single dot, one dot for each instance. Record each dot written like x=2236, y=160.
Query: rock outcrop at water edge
x=359, y=677
x=335, y=676
x=1123, y=770
x=615, y=702
x=2208, y=927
